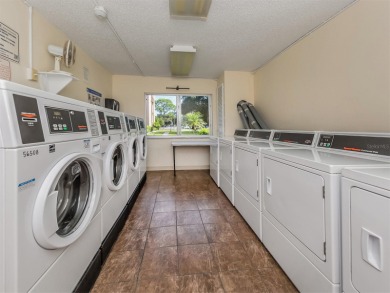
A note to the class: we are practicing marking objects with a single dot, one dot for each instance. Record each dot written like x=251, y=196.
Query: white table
x=187, y=143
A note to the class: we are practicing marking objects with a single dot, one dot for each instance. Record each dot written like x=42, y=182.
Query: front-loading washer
x=248, y=169
x=365, y=210
x=301, y=204
x=51, y=189
x=143, y=149
x=114, y=182
x=133, y=150
x=226, y=160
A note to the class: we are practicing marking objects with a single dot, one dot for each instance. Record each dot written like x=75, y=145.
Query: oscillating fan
x=67, y=53
x=55, y=80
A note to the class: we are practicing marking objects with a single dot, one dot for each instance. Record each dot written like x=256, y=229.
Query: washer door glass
x=117, y=165
x=73, y=187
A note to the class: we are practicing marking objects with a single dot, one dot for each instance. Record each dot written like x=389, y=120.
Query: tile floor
x=183, y=235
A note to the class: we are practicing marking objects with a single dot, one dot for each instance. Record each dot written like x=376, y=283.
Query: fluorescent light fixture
x=181, y=60
x=189, y=9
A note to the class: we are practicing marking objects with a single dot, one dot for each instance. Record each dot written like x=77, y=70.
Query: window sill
x=178, y=136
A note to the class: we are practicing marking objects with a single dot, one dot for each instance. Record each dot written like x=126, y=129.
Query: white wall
x=14, y=13
x=130, y=92
x=337, y=78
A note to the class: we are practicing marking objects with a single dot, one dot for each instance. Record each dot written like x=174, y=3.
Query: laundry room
x=194, y=146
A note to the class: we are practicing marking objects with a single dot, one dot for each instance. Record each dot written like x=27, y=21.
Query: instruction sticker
x=9, y=43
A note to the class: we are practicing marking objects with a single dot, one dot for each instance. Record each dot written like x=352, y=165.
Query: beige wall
x=337, y=78
x=238, y=86
x=14, y=13
x=130, y=92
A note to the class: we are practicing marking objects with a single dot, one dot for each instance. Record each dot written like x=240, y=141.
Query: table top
x=192, y=142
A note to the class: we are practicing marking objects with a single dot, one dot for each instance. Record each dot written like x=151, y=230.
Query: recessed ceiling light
x=189, y=9
x=182, y=58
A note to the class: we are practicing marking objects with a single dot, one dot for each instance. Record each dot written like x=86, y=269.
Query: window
x=172, y=115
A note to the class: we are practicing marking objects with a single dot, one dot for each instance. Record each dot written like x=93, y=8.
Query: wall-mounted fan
x=67, y=54
x=54, y=81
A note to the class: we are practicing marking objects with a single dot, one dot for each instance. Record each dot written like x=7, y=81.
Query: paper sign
x=94, y=97
x=5, y=69
x=9, y=43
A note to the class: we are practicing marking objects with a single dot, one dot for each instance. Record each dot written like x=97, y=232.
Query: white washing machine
x=143, y=148
x=50, y=220
x=365, y=214
x=115, y=165
x=214, y=159
x=133, y=151
x=248, y=169
x=301, y=205
x=226, y=160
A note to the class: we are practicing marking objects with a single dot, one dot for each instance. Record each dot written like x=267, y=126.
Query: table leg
x=174, y=161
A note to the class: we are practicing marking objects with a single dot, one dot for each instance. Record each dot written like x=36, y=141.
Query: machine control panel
x=294, y=137
x=133, y=125
x=376, y=145
x=64, y=120
x=102, y=122
x=113, y=123
x=241, y=132
x=141, y=124
x=29, y=120
x=260, y=134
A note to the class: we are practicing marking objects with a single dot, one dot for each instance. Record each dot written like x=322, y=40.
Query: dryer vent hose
x=249, y=116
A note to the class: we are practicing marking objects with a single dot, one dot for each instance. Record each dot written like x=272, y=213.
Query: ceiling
x=239, y=35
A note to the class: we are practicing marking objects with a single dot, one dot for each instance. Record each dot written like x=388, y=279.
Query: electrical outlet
x=32, y=74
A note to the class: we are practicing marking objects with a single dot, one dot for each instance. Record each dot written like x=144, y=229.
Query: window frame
x=179, y=115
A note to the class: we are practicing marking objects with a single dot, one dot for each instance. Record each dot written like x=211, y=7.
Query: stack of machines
x=68, y=178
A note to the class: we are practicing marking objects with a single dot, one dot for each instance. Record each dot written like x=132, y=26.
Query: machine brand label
x=52, y=148
x=25, y=184
x=87, y=143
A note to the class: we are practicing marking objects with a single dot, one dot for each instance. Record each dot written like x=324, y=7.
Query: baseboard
x=88, y=279
x=170, y=168
x=111, y=237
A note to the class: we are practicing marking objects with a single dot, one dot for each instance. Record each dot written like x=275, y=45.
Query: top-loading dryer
x=248, y=168
x=51, y=186
x=142, y=139
x=214, y=159
x=133, y=151
x=301, y=204
x=115, y=164
x=226, y=160
x=365, y=210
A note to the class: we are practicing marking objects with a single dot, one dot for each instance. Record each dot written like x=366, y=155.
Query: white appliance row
x=287, y=186
x=65, y=187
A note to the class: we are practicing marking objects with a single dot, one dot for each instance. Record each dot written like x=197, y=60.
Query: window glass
x=172, y=115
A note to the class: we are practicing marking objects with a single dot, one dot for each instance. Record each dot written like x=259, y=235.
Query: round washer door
x=67, y=201
x=115, y=166
x=133, y=150
x=143, y=146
